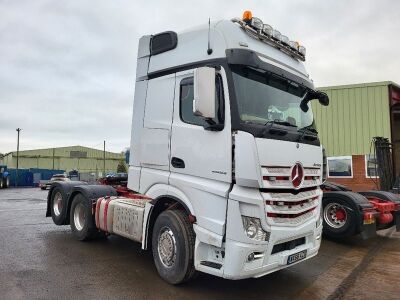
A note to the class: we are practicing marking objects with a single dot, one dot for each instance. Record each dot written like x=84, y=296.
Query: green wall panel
x=355, y=115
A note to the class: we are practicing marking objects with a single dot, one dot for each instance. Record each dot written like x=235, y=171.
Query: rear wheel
x=173, y=246
x=81, y=219
x=7, y=182
x=57, y=206
x=1, y=184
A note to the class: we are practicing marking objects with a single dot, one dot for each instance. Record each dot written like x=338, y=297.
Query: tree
x=121, y=168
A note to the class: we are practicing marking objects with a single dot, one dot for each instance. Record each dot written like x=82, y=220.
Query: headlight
x=252, y=228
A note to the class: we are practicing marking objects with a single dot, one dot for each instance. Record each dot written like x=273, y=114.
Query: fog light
x=252, y=228
x=254, y=256
x=250, y=257
x=318, y=237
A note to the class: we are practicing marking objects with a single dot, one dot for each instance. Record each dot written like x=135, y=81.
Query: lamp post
x=16, y=173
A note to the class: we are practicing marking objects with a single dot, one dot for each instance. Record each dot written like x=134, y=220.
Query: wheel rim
x=79, y=216
x=167, y=247
x=335, y=215
x=57, y=204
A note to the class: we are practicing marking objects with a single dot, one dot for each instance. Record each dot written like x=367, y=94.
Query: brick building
x=356, y=114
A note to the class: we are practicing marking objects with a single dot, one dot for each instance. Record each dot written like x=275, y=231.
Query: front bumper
x=237, y=265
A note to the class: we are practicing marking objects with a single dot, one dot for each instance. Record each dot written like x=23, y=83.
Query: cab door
x=201, y=160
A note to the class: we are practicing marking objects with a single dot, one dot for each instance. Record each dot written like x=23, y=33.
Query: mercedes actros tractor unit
x=226, y=165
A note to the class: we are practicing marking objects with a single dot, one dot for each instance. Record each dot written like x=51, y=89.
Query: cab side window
x=186, y=102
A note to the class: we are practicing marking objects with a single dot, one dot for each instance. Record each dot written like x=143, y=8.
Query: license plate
x=296, y=257
x=369, y=221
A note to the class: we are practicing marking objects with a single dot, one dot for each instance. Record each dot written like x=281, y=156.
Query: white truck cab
x=224, y=149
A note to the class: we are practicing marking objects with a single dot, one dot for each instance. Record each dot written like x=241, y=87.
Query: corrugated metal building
x=355, y=115
x=78, y=158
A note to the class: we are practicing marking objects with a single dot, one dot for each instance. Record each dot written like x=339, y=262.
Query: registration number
x=296, y=257
x=369, y=221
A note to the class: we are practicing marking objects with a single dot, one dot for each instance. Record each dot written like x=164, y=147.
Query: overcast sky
x=67, y=68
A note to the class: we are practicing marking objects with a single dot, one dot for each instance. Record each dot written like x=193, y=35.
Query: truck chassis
x=346, y=213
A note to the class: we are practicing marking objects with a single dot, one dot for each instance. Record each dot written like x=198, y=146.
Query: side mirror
x=311, y=95
x=204, y=92
x=323, y=98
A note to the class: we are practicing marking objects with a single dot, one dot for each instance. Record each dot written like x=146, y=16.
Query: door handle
x=177, y=163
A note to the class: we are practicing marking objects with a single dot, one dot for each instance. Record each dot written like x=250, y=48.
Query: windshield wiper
x=308, y=129
x=279, y=122
x=278, y=131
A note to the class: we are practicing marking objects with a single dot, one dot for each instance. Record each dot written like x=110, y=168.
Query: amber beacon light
x=247, y=16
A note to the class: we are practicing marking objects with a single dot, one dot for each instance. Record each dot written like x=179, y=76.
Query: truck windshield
x=263, y=97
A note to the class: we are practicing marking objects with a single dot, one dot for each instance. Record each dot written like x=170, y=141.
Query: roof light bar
x=264, y=32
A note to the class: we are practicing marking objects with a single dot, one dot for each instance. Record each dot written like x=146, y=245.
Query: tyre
x=1, y=183
x=7, y=182
x=173, y=246
x=82, y=221
x=57, y=206
x=43, y=188
x=341, y=214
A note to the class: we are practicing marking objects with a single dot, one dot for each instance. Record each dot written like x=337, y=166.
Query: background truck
x=347, y=213
x=46, y=184
x=226, y=165
x=4, y=177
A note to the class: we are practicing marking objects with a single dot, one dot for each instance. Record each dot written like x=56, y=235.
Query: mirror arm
x=214, y=127
x=303, y=105
x=214, y=66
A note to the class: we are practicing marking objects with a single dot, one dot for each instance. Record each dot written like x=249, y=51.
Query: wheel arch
x=157, y=206
x=91, y=194
x=66, y=189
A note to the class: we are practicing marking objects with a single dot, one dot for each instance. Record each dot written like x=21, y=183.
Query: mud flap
x=368, y=231
x=396, y=215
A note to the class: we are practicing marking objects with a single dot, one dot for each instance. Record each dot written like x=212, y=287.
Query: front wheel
x=173, y=246
x=339, y=219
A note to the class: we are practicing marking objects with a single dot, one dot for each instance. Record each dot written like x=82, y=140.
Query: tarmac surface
x=39, y=260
